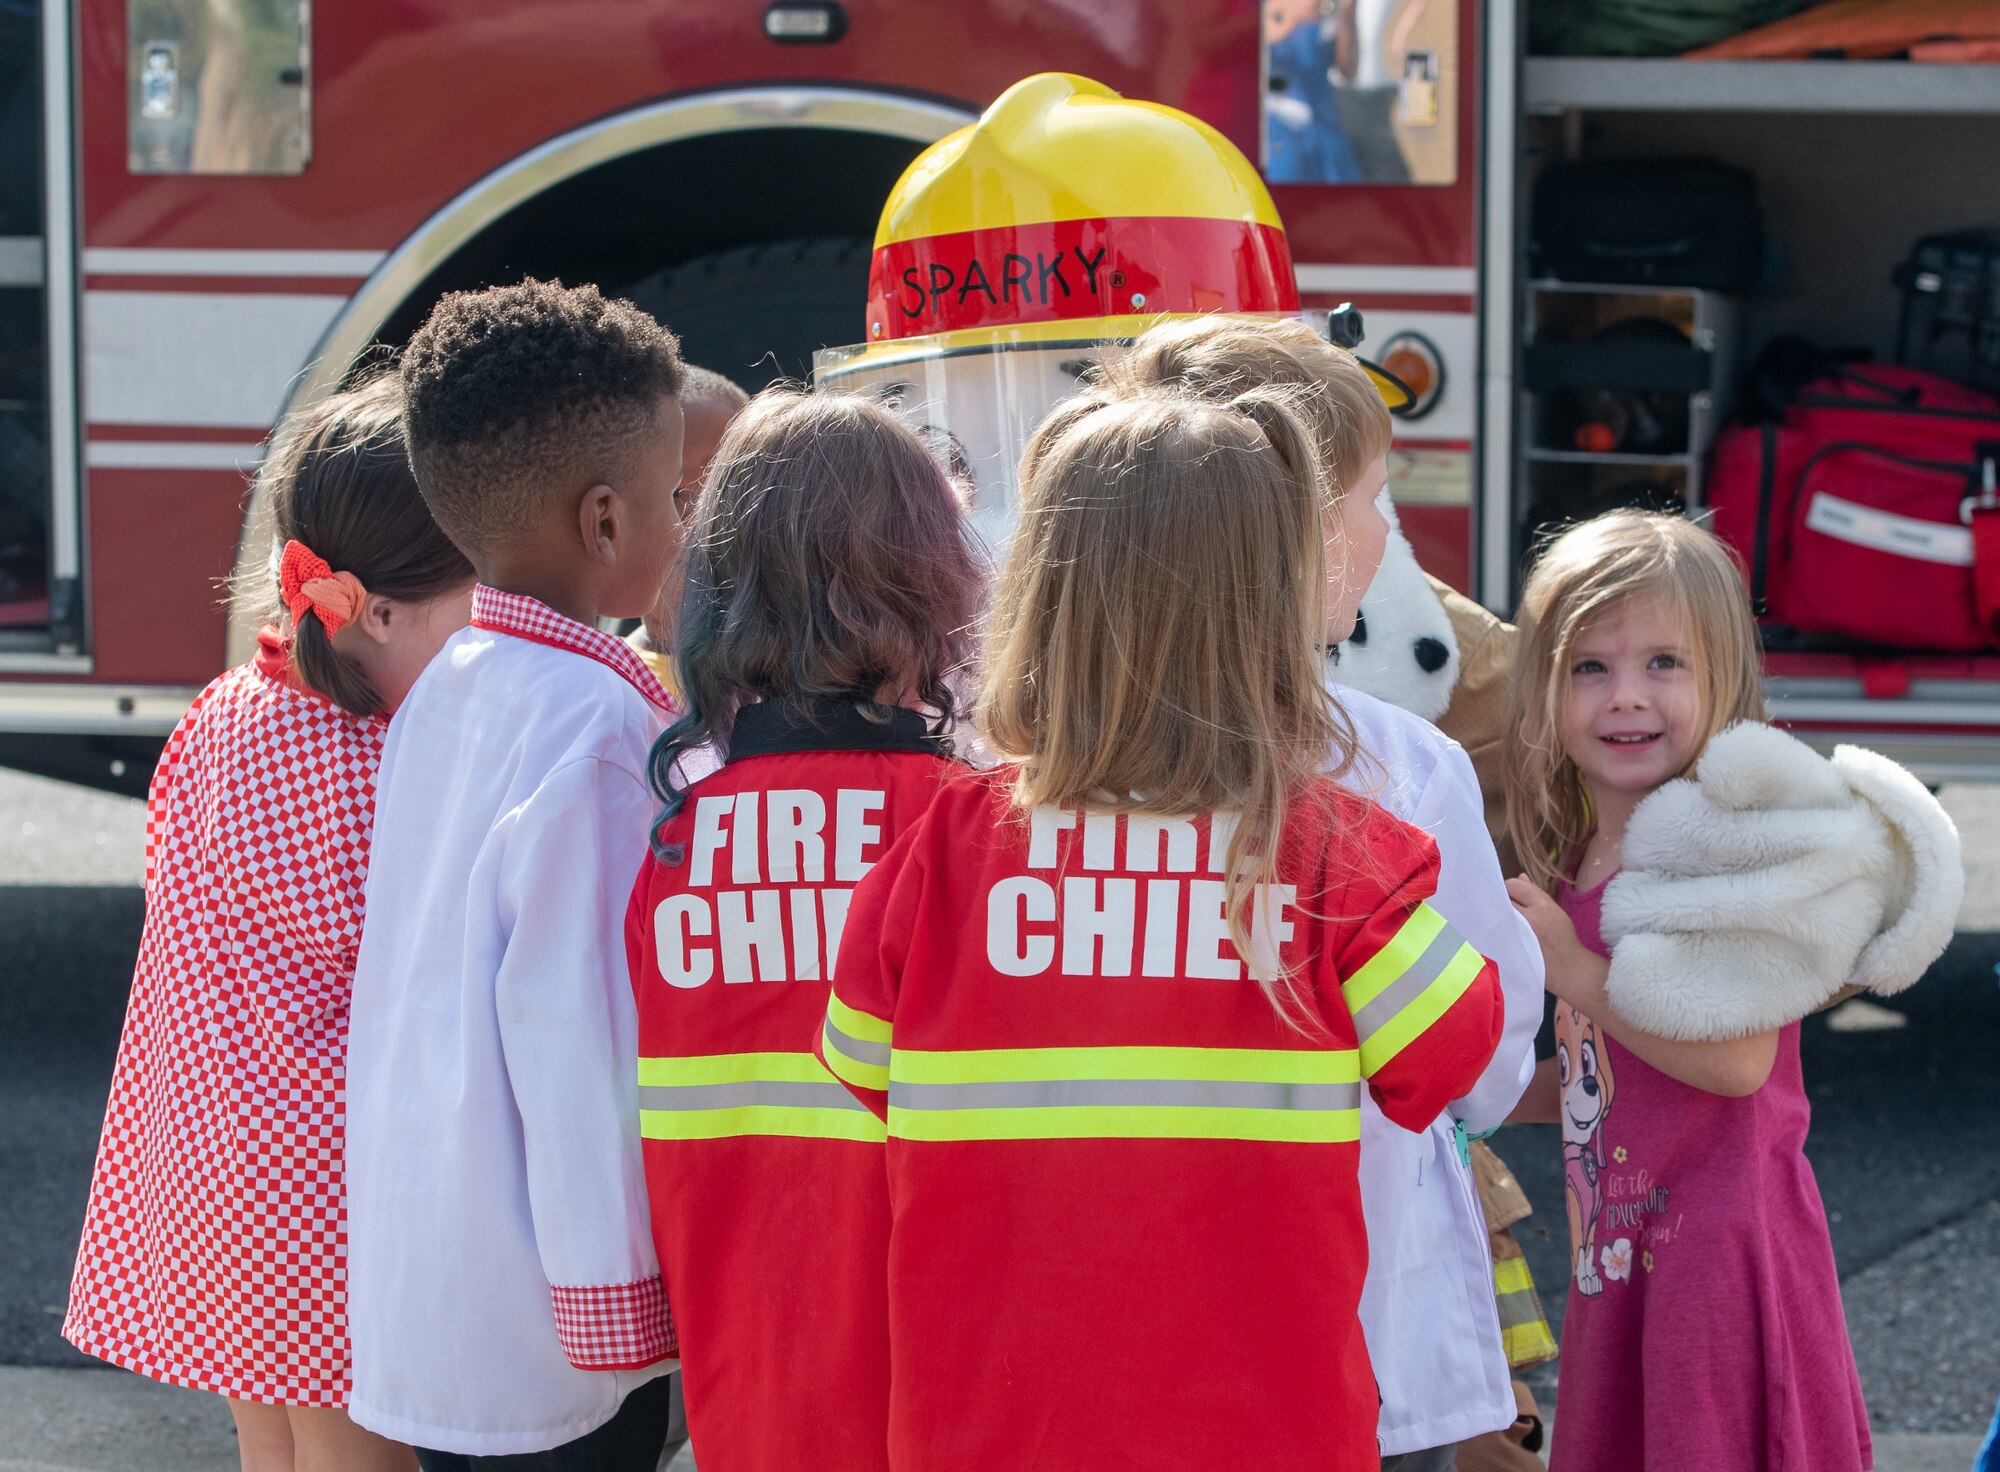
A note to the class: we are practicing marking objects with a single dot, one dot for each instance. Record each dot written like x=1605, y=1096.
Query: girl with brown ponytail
x=214, y=1249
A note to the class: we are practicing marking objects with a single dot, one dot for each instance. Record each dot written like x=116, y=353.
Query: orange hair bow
x=307, y=582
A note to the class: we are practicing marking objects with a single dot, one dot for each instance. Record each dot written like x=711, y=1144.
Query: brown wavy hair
x=827, y=561
x=1155, y=640
x=338, y=479
x=1581, y=576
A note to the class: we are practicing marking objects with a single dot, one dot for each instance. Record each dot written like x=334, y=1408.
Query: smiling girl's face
x=1633, y=716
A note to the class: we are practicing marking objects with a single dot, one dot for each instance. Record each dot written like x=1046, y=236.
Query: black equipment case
x=1951, y=308
x=1650, y=222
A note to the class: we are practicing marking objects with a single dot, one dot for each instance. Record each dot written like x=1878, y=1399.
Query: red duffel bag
x=1867, y=508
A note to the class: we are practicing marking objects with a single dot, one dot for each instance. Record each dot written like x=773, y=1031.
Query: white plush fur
x=1399, y=608
x=1753, y=892
x=1928, y=879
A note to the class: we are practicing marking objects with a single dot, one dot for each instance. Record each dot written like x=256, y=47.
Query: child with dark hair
x=710, y=402
x=212, y=1252
x=505, y=1297
x=831, y=588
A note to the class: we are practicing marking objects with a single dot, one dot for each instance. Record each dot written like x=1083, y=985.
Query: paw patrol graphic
x=1583, y=1069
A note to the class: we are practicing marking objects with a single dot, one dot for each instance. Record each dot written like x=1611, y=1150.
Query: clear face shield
x=978, y=397
x=977, y=405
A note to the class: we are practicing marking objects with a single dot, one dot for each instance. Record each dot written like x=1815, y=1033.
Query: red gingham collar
x=532, y=619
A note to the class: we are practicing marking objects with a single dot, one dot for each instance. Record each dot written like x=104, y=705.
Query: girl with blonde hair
x=1697, y=1235
x=1427, y=1307
x=1117, y=999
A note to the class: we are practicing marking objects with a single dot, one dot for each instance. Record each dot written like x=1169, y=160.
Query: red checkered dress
x=214, y=1249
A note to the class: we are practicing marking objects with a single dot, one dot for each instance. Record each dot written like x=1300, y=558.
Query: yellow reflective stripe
x=1128, y=1122
x=1510, y=1275
x=1230, y=1065
x=761, y=1119
x=865, y=1026
x=847, y=1068
x=1407, y=1025
x=1526, y=1343
x=731, y=1068
x=1274, y=1094
x=1382, y=969
x=714, y=1096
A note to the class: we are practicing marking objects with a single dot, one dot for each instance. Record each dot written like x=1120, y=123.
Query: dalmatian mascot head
x=1402, y=649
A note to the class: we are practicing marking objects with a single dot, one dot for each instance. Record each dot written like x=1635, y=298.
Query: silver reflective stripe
x=1146, y=1092
x=860, y=1052
x=1405, y=989
x=739, y=1096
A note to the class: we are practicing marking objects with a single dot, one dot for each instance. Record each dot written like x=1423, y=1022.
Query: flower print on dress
x=1618, y=1260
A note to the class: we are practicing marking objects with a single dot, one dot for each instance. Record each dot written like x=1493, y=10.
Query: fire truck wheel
x=757, y=312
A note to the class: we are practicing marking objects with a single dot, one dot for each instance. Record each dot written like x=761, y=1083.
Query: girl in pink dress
x=214, y=1246
x=1704, y=1327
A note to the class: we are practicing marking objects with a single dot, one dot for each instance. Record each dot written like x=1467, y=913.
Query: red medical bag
x=1866, y=508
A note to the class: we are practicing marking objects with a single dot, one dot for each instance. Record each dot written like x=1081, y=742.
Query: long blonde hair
x=1221, y=355
x=1154, y=641
x=1581, y=576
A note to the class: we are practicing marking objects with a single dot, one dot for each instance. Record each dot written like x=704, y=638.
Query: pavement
x=1905, y=1143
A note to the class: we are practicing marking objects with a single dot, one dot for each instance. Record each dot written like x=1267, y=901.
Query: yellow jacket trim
x=1127, y=1122
x=1510, y=1275
x=761, y=1119
x=1381, y=1046
x=1011, y=1065
x=717, y=1095
x=1527, y=1344
x=1387, y=966
x=857, y=1024
x=840, y=1057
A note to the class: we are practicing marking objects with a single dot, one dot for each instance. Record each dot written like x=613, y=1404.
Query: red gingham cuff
x=616, y=1326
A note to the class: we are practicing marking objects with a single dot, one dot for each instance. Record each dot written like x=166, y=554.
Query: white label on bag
x=1885, y=531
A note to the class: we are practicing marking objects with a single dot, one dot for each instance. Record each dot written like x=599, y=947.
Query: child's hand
x=1561, y=950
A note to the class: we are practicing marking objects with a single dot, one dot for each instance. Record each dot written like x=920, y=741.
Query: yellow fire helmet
x=1009, y=253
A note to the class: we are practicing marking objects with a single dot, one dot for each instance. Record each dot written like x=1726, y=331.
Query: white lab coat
x=1427, y=1306
x=492, y=1088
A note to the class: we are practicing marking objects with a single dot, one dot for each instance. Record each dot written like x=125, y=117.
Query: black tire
x=758, y=312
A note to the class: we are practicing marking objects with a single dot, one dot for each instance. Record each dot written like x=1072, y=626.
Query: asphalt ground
x=1905, y=1142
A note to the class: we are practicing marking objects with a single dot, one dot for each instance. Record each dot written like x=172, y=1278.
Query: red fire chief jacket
x=770, y=1211
x=1127, y=1230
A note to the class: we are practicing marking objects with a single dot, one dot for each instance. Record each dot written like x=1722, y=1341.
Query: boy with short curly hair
x=503, y=1293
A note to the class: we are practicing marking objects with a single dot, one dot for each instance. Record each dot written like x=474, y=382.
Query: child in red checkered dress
x=214, y=1249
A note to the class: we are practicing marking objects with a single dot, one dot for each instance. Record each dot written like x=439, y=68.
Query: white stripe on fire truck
x=217, y=360
x=171, y=455
x=119, y=261
x=1408, y=280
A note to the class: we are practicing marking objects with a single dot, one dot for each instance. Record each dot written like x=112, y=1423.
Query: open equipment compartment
x=1855, y=162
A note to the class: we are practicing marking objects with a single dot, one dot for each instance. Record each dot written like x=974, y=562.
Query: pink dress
x=215, y=1244
x=1704, y=1327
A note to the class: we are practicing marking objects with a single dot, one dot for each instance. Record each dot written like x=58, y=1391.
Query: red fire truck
x=212, y=210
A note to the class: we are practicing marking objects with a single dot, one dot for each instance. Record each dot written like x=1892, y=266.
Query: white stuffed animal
x=1753, y=890
x=1402, y=650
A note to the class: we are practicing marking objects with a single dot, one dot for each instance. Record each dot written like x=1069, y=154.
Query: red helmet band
x=1015, y=275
